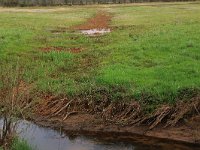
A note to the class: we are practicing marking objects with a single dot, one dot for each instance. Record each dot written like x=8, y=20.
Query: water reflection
x=48, y=139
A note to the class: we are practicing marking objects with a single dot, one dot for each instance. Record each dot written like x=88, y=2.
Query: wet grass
x=152, y=53
x=20, y=145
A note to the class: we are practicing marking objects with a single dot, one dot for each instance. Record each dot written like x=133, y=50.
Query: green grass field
x=152, y=53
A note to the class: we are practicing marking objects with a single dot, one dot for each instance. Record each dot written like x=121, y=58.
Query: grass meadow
x=151, y=55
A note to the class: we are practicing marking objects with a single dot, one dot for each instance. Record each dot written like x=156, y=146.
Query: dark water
x=48, y=139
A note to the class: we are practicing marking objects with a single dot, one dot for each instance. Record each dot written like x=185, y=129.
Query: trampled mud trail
x=99, y=21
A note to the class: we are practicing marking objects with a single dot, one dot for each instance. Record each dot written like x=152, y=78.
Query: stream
x=41, y=138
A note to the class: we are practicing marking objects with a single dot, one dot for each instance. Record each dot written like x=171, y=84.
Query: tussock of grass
x=20, y=145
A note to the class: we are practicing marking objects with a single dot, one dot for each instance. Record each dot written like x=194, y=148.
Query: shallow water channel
x=41, y=138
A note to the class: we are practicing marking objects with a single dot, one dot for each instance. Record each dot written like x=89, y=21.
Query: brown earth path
x=99, y=21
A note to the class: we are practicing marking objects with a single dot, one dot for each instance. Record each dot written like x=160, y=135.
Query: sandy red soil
x=100, y=21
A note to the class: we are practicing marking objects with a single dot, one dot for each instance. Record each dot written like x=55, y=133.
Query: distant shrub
x=23, y=3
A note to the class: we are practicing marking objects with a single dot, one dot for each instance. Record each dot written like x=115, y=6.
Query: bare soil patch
x=61, y=49
x=76, y=50
x=100, y=21
x=58, y=30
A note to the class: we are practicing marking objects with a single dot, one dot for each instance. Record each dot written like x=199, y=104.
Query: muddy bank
x=79, y=116
x=57, y=139
x=86, y=124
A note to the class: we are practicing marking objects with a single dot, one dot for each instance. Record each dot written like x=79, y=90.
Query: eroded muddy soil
x=97, y=25
x=82, y=116
x=99, y=21
x=61, y=49
x=91, y=125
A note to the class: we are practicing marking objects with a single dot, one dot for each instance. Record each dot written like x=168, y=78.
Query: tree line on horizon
x=72, y=2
